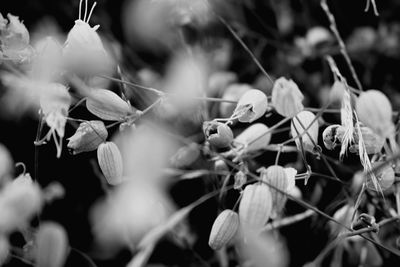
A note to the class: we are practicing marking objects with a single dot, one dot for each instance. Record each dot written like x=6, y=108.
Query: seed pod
x=342, y=215
x=6, y=165
x=220, y=166
x=234, y=92
x=373, y=142
x=251, y=106
x=276, y=176
x=287, y=98
x=107, y=105
x=255, y=206
x=52, y=245
x=254, y=137
x=223, y=229
x=301, y=122
x=217, y=133
x=110, y=162
x=333, y=136
x=87, y=137
x=385, y=176
x=375, y=111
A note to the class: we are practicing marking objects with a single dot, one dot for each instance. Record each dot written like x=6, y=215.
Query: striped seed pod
x=255, y=206
x=52, y=245
x=107, y=105
x=301, y=122
x=223, y=229
x=87, y=137
x=276, y=176
x=287, y=98
x=253, y=138
x=251, y=106
x=374, y=110
x=110, y=162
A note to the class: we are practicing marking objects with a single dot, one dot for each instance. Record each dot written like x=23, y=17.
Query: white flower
x=83, y=51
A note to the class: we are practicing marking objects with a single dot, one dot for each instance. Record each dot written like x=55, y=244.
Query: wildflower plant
x=244, y=144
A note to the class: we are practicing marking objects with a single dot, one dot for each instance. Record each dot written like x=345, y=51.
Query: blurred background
x=289, y=37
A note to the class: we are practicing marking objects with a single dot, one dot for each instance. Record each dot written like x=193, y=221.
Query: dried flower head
x=224, y=229
x=54, y=104
x=251, y=106
x=333, y=136
x=255, y=206
x=217, y=133
x=287, y=97
x=110, y=162
x=302, y=121
x=375, y=111
x=87, y=137
x=52, y=245
x=14, y=40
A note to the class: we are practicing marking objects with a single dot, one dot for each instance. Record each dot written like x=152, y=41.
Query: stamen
x=80, y=9
x=86, y=4
x=91, y=11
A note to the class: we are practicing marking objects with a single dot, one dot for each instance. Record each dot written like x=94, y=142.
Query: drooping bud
x=300, y=123
x=385, y=176
x=372, y=141
x=223, y=229
x=233, y=92
x=287, y=97
x=110, y=162
x=107, y=105
x=52, y=245
x=255, y=206
x=87, y=137
x=217, y=133
x=251, y=106
x=254, y=137
x=375, y=111
x=333, y=136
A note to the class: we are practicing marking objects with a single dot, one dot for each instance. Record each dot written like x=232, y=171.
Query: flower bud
x=255, y=137
x=255, y=206
x=217, y=133
x=317, y=36
x=301, y=122
x=287, y=98
x=233, y=92
x=374, y=110
x=223, y=229
x=333, y=136
x=52, y=245
x=110, y=162
x=87, y=137
x=185, y=156
x=251, y=106
x=4, y=249
x=373, y=142
x=385, y=176
x=19, y=201
x=107, y=105
x=276, y=176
